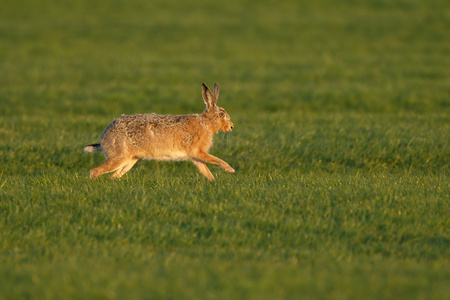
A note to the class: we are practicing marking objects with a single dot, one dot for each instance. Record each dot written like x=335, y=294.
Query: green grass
x=341, y=149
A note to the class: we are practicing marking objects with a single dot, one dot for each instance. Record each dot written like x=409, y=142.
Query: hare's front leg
x=206, y=157
x=203, y=169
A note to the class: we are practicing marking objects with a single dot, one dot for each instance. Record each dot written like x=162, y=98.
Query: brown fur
x=163, y=137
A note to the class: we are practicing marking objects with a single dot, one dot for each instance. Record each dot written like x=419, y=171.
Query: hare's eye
x=221, y=115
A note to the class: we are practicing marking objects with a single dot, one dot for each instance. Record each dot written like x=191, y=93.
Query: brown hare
x=163, y=137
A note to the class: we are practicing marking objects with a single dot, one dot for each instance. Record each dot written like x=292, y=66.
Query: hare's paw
x=93, y=174
x=229, y=169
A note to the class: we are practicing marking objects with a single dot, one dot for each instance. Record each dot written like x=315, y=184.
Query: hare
x=163, y=137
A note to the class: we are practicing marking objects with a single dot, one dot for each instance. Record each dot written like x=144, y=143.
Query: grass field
x=341, y=149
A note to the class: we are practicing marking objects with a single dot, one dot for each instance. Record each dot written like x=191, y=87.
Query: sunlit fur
x=163, y=137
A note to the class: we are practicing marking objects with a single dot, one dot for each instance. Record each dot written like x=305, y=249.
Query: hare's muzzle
x=227, y=127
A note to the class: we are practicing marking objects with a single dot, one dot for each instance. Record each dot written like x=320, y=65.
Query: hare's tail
x=93, y=148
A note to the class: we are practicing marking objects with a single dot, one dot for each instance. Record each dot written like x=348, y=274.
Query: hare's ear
x=216, y=91
x=208, y=97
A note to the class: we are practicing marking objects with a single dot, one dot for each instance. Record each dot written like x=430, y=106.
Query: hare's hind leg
x=203, y=169
x=127, y=167
x=111, y=165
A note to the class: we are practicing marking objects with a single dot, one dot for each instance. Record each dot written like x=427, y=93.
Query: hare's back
x=146, y=126
x=123, y=125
